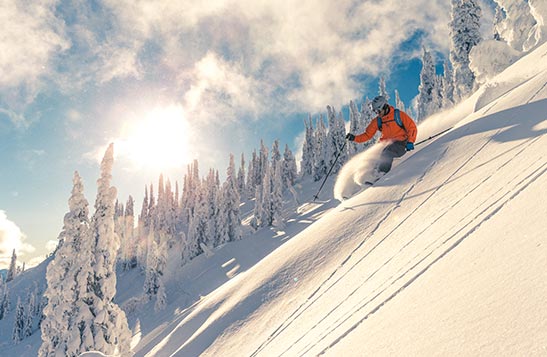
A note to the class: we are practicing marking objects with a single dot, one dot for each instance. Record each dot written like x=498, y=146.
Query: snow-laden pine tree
x=276, y=205
x=355, y=127
x=155, y=267
x=448, y=85
x=229, y=202
x=289, y=171
x=4, y=298
x=464, y=34
x=241, y=187
x=382, y=88
x=398, y=102
x=108, y=325
x=307, y=163
x=320, y=163
x=66, y=328
x=427, y=86
x=12, y=271
x=437, y=99
x=515, y=23
x=130, y=253
x=266, y=217
x=336, y=138
x=251, y=175
x=18, y=322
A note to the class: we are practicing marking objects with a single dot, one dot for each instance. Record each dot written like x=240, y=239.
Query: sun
x=160, y=139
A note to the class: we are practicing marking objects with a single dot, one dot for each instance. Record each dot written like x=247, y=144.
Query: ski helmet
x=378, y=103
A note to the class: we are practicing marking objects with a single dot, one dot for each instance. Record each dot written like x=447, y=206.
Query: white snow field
x=444, y=256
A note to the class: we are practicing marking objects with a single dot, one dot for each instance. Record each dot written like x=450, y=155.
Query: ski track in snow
x=493, y=208
x=309, y=302
x=405, y=270
x=403, y=220
x=346, y=317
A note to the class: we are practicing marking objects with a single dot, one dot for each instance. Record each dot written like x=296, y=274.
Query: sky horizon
x=169, y=82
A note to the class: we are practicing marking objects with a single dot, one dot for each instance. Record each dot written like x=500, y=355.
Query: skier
x=397, y=128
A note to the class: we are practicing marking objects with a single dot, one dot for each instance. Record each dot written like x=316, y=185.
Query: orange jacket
x=390, y=129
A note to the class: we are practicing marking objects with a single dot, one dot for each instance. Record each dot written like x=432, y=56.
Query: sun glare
x=160, y=140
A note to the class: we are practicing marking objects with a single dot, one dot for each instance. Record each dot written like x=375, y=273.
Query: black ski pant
x=393, y=150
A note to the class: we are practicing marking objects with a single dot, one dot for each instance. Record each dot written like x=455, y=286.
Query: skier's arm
x=410, y=127
x=371, y=129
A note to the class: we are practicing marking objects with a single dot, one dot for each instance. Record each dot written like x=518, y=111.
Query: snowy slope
x=446, y=255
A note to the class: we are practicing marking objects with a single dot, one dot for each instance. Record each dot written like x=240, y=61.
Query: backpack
x=396, y=115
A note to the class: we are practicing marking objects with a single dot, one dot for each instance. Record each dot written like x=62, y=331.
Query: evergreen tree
x=307, y=162
x=67, y=309
x=427, y=85
x=336, y=137
x=4, y=298
x=448, y=85
x=229, y=206
x=465, y=34
x=109, y=329
x=382, y=88
x=355, y=127
x=398, y=102
x=12, y=271
x=266, y=217
x=19, y=322
x=289, y=170
x=241, y=178
x=251, y=175
x=277, y=196
x=320, y=151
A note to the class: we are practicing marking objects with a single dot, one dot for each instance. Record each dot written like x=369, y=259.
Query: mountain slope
x=442, y=256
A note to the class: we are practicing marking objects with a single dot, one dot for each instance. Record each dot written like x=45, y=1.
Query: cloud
x=11, y=238
x=30, y=37
x=297, y=55
x=223, y=60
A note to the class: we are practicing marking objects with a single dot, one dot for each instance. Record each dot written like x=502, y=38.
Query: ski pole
x=433, y=136
x=331, y=167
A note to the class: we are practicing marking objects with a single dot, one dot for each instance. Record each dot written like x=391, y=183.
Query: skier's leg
x=393, y=150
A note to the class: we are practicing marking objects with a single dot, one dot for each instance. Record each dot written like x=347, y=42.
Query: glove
x=409, y=146
x=350, y=137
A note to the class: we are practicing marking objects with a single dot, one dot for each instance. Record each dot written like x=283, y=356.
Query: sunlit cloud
x=11, y=238
x=30, y=37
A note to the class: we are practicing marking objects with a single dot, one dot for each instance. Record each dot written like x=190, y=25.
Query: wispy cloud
x=11, y=238
x=31, y=35
x=220, y=58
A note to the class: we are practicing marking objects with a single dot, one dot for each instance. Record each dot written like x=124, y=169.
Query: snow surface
x=445, y=255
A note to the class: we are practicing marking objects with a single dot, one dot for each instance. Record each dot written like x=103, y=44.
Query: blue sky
x=170, y=81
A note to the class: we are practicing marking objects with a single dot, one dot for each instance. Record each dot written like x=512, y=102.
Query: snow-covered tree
x=289, y=170
x=18, y=322
x=448, y=85
x=515, y=23
x=382, y=88
x=336, y=138
x=307, y=163
x=108, y=325
x=355, y=127
x=12, y=271
x=251, y=175
x=241, y=177
x=427, y=85
x=320, y=164
x=67, y=310
x=4, y=298
x=229, y=202
x=277, y=196
x=155, y=266
x=398, y=102
x=464, y=34
x=266, y=217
